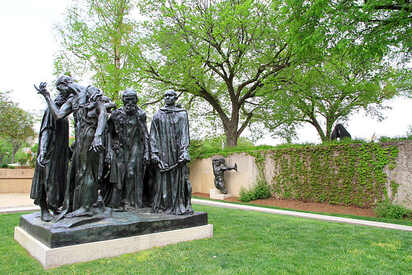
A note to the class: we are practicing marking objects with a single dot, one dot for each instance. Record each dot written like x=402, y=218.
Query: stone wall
x=402, y=175
x=201, y=174
x=15, y=180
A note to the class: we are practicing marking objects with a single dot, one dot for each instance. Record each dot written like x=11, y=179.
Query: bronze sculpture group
x=115, y=160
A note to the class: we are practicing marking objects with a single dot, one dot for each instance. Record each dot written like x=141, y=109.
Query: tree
x=223, y=52
x=351, y=45
x=5, y=151
x=330, y=91
x=16, y=125
x=384, y=27
x=98, y=38
x=380, y=23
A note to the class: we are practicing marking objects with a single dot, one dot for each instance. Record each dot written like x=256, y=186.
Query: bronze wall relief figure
x=219, y=168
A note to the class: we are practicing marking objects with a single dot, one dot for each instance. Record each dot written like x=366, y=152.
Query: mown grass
x=244, y=243
x=406, y=221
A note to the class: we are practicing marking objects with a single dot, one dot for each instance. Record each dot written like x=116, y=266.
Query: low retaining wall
x=16, y=180
x=400, y=176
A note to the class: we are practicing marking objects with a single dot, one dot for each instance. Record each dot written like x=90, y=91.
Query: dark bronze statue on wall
x=169, y=142
x=219, y=168
x=339, y=132
x=128, y=152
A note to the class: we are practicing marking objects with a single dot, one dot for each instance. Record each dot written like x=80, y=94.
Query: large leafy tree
x=98, y=40
x=222, y=52
x=16, y=125
x=329, y=91
x=379, y=23
x=346, y=70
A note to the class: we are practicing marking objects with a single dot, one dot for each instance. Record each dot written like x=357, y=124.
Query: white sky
x=28, y=46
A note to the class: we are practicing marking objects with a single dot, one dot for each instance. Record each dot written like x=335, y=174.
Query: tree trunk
x=318, y=128
x=231, y=136
x=14, y=151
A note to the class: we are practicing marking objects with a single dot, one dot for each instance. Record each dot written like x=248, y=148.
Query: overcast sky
x=28, y=45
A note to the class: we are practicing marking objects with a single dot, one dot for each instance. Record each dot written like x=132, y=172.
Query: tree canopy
x=98, y=39
x=246, y=62
x=322, y=94
x=223, y=52
x=16, y=125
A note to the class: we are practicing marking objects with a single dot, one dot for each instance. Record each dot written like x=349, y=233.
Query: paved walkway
x=303, y=215
x=12, y=203
x=16, y=202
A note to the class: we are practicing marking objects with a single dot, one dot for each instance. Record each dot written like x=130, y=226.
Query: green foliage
x=5, y=151
x=329, y=91
x=99, y=38
x=215, y=145
x=386, y=209
x=223, y=52
x=384, y=139
x=342, y=68
x=198, y=151
x=27, y=157
x=15, y=127
x=337, y=173
x=21, y=158
x=260, y=191
x=375, y=23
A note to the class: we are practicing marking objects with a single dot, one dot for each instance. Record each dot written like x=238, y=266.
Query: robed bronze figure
x=49, y=180
x=89, y=112
x=128, y=152
x=169, y=141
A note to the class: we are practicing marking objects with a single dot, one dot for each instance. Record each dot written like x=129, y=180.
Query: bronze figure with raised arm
x=89, y=114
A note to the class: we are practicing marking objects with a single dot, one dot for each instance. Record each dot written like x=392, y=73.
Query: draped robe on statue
x=49, y=182
x=169, y=141
x=129, y=138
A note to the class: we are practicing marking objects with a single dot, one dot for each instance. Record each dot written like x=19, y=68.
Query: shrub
x=246, y=195
x=260, y=191
x=386, y=209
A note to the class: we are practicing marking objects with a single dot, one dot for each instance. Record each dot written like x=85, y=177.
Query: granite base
x=54, y=257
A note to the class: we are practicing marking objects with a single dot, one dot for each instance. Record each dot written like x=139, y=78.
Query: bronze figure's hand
x=97, y=144
x=42, y=89
x=41, y=160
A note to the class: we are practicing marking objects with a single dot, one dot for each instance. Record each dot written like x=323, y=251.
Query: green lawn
x=245, y=243
x=406, y=221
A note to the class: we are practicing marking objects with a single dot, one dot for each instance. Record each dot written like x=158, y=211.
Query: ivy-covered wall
x=344, y=174
x=358, y=174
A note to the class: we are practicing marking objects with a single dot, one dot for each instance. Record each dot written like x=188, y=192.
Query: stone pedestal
x=125, y=232
x=215, y=194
